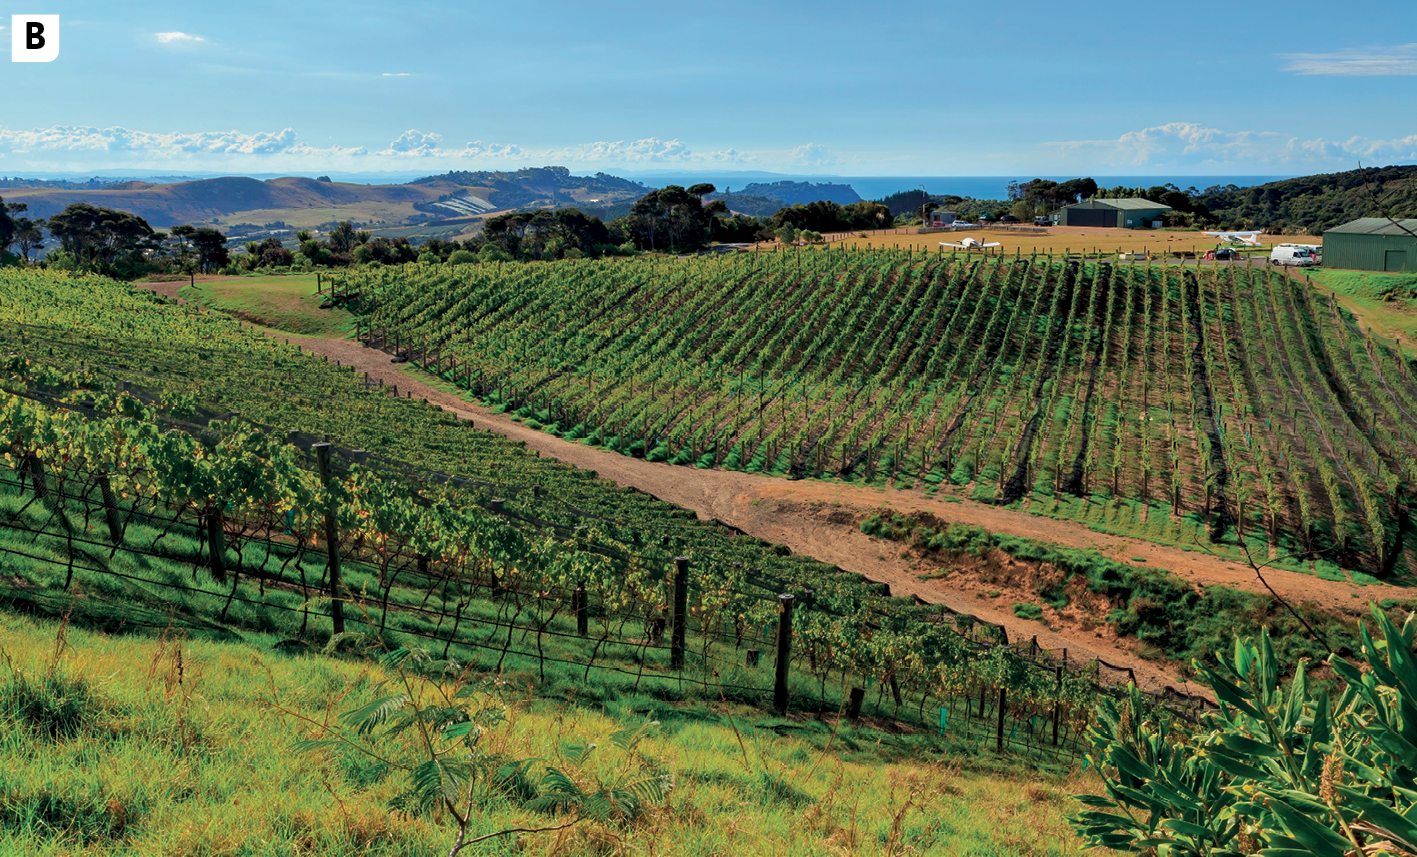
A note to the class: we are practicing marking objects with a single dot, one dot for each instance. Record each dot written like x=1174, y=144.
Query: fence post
x=681, y=609
x=580, y=606
x=1057, y=703
x=322, y=458
x=784, y=651
x=853, y=709
x=216, y=544
x=110, y=509
x=1000, y=743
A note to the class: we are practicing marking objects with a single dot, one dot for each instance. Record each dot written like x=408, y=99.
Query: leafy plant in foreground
x=1281, y=770
x=427, y=721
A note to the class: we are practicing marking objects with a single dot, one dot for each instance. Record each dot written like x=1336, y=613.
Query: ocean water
x=977, y=187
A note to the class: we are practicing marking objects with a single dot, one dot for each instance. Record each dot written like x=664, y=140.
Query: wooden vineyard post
x=580, y=606
x=999, y=744
x=681, y=606
x=784, y=651
x=110, y=509
x=1057, y=702
x=216, y=544
x=853, y=708
x=322, y=458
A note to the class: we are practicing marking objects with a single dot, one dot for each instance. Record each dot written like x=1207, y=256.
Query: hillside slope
x=304, y=202
x=1311, y=204
x=1184, y=407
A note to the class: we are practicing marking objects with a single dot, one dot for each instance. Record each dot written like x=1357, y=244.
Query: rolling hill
x=305, y=202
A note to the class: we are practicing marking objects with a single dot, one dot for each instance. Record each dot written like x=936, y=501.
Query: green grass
x=1385, y=302
x=176, y=746
x=284, y=303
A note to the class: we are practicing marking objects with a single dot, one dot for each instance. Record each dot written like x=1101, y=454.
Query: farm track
x=818, y=519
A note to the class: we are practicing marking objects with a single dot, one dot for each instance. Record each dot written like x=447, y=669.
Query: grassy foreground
x=139, y=745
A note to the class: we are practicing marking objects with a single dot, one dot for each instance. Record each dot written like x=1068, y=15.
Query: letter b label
x=34, y=38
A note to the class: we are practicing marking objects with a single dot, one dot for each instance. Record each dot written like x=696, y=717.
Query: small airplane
x=971, y=244
x=1251, y=239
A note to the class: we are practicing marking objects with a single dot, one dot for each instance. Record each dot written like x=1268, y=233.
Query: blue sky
x=938, y=88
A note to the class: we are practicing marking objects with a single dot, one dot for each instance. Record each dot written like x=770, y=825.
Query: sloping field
x=257, y=201
x=1218, y=406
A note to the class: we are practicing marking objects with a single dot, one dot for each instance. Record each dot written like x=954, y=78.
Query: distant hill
x=752, y=204
x=1311, y=204
x=791, y=193
x=305, y=202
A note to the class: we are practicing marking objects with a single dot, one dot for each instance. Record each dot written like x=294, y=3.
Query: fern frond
x=368, y=717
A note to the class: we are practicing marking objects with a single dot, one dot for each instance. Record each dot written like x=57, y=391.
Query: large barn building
x=1130, y=213
x=1372, y=244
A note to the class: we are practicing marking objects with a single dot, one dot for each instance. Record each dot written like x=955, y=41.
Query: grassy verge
x=1385, y=302
x=129, y=745
x=286, y=303
x=1182, y=621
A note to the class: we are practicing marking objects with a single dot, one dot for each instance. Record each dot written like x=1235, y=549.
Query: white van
x=1315, y=250
x=1282, y=255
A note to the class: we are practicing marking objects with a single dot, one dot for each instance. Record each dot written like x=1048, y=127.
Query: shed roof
x=1128, y=204
x=1375, y=226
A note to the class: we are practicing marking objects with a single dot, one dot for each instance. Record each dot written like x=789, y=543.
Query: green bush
x=462, y=257
x=1280, y=770
x=1028, y=611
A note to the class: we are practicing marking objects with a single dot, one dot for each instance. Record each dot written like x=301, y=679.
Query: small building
x=940, y=217
x=1372, y=244
x=1130, y=213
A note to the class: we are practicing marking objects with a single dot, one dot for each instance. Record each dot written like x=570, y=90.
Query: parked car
x=1291, y=256
x=1042, y=220
x=1226, y=253
x=1008, y=218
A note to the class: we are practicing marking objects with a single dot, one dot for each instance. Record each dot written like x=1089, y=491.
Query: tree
x=208, y=244
x=100, y=237
x=676, y=213
x=8, y=226
x=343, y=237
x=29, y=236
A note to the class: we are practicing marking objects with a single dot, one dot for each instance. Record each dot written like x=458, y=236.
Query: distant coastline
x=976, y=187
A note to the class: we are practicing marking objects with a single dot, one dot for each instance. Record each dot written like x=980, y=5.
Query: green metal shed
x=1372, y=244
x=1131, y=213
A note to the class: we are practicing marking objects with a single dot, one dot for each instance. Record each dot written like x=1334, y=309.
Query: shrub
x=1028, y=611
x=462, y=257
x=1280, y=769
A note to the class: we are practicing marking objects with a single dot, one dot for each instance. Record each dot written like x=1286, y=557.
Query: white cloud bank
x=1369, y=62
x=1187, y=146
x=84, y=147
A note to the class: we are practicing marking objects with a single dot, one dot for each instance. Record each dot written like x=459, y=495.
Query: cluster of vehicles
x=1299, y=255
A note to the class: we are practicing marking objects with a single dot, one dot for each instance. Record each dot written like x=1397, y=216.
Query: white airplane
x=1251, y=239
x=971, y=244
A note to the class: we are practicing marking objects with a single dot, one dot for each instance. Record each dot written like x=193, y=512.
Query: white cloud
x=397, y=74
x=415, y=144
x=126, y=145
x=1370, y=62
x=812, y=155
x=88, y=147
x=1189, y=145
x=169, y=38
